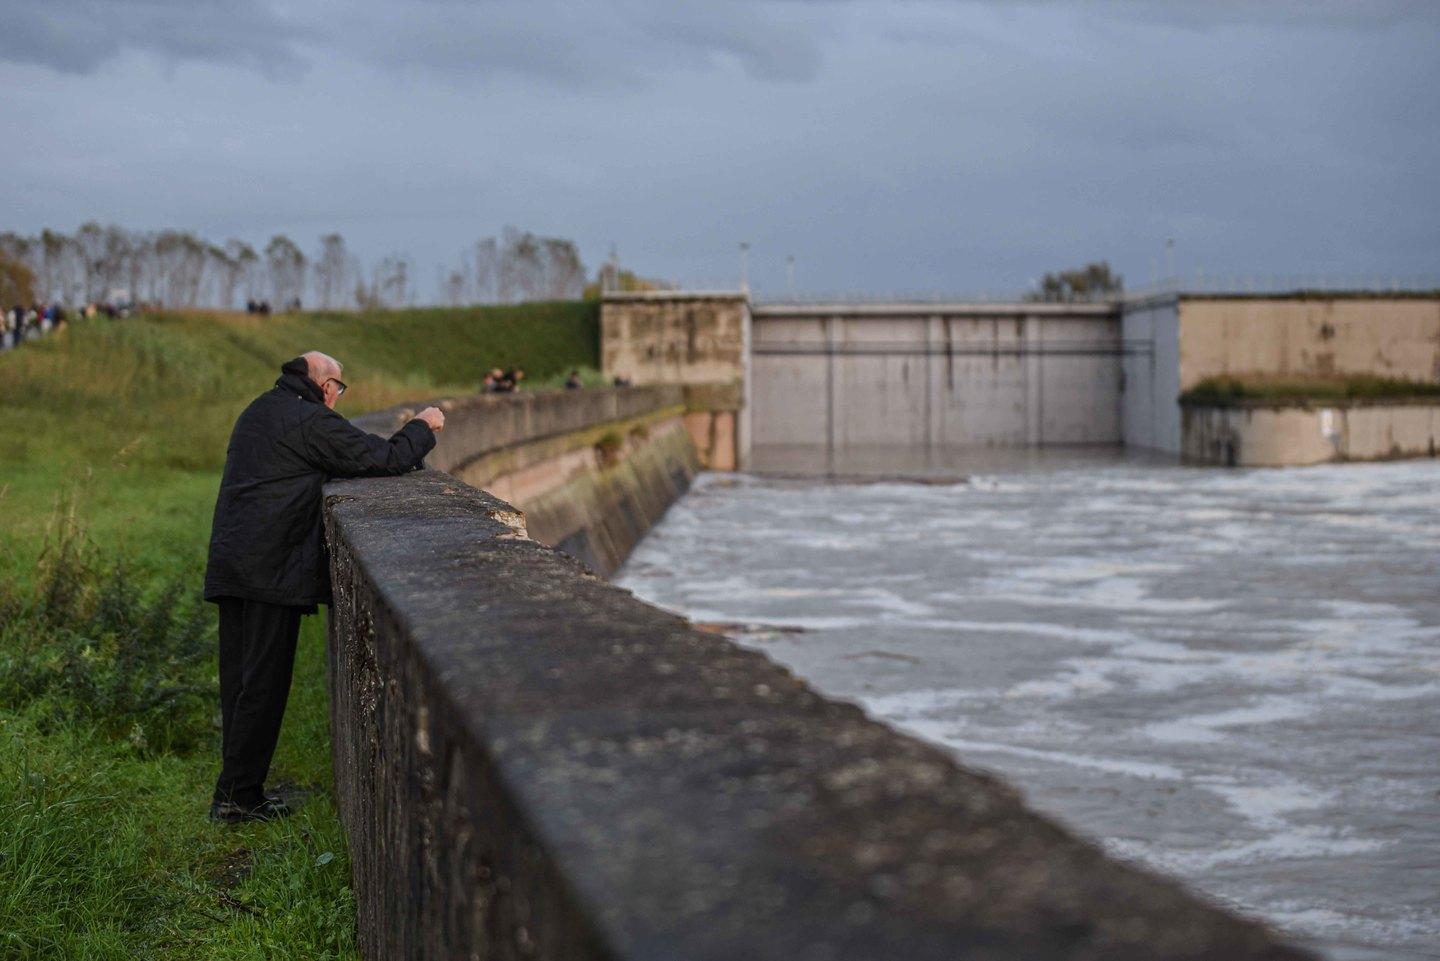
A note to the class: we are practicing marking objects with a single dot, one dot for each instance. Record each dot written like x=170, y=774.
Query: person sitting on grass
x=268, y=564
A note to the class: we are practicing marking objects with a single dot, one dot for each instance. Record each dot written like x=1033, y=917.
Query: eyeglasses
x=341, y=384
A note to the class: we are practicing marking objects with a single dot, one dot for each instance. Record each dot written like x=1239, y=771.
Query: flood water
x=1232, y=676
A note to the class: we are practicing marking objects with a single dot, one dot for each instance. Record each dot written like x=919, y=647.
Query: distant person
x=573, y=381
x=268, y=564
x=487, y=383
x=621, y=381
x=517, y=375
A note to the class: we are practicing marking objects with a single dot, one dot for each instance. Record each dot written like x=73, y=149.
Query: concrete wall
x=699, y=340
x=1387, y=337
x=1258, y=435
x=591, y=470
x=531, y=763
x=935, y=376
x=1149, y=412
x=1173, y=342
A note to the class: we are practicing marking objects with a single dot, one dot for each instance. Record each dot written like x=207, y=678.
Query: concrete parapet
x=479, y=424
x=532, y=763
x=591, y=470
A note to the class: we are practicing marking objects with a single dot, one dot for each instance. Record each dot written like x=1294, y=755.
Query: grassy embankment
x=110, y=456
x=1225, y=390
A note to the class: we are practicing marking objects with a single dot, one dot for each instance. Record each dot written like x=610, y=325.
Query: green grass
x=1223, y=391
x=118, y=429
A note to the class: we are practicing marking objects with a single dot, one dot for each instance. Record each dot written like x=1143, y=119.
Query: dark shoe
x=269, y=808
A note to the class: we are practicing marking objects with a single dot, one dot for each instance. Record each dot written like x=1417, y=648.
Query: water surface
x=1228, y=675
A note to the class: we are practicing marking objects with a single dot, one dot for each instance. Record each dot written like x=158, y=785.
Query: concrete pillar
x=1034, y=380
x=935, y=383
x=744, y=423
x=832, y=389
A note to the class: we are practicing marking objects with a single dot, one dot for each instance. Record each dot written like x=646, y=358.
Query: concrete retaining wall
x=1268, y=435
x=531, y=763
x=591, y=470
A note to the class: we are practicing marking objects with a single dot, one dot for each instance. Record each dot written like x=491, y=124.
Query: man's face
x=331, y=387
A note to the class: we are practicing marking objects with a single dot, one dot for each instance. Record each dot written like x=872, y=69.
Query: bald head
x=321, y=366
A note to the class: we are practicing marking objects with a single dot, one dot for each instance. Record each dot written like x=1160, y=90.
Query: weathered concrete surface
x=1150, y=390
x=1175, y=341
x=674, y=337
x=700, y=340
x=590, y=470
x=934, y=376
x=479, y=424
x=531, y=763
x=604, y=508
x=1314, y=336
x=1280, y=434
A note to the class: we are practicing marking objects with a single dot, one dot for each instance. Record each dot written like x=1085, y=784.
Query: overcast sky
x=900, y=146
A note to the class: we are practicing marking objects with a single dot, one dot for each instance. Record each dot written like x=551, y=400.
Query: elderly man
x=268, y=563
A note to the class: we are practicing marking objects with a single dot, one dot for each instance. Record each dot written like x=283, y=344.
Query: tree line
x=179, y=269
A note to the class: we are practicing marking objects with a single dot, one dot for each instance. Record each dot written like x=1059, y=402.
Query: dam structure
x=530, y=762
x=827, y=383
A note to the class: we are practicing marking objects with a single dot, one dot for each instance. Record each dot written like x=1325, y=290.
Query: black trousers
x=257, y=658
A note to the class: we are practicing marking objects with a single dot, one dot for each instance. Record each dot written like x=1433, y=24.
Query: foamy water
x=1228, y=675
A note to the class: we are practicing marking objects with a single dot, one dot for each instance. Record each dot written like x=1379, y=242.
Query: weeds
x=85, y=643
x=1223, y=390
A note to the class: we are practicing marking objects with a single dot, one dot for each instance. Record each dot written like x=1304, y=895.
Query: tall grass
x=108, y=722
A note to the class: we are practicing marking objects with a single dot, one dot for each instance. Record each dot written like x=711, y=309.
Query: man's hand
x=433, y=417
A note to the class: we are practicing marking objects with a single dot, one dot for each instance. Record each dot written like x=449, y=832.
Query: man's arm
x=341, y=449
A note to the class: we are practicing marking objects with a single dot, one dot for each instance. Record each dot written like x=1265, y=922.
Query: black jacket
x=267, y=541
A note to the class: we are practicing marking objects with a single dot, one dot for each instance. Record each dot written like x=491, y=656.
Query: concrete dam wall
x=932, y=376
x=532, y=763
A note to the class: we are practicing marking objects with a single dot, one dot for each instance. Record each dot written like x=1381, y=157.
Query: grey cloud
x=592, y=45
x=76, y=36
x=622, y=43
x=1202, y=14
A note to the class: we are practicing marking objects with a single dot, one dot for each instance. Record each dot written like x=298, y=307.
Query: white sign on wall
x=1329, y=425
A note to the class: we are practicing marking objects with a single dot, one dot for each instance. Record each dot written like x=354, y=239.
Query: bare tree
x=331, y=270
x=563, y=275
x=389, y=285
x=453, y=287
x=486, y=258
x=286, y=265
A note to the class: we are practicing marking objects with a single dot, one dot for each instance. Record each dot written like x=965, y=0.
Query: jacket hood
x=295, y=379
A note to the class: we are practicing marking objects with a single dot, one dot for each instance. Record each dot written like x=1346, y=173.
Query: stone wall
x=591, y=470
x=1268, y=434
x=531, y=763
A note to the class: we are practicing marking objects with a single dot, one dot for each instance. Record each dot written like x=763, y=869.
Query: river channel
x=1231, y=676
